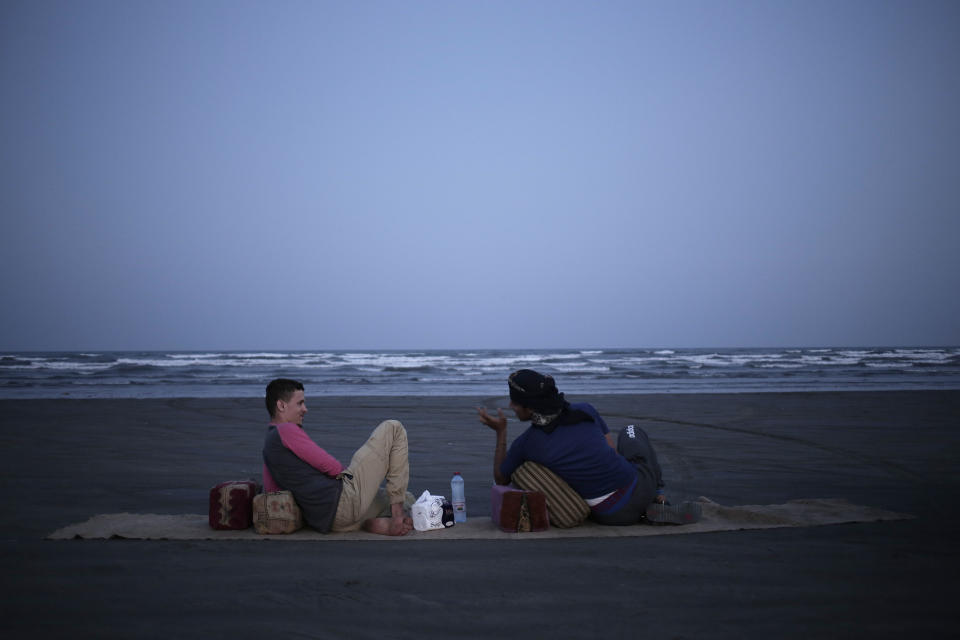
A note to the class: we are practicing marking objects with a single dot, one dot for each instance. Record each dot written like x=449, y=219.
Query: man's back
x=316, y=493
x=578, y=453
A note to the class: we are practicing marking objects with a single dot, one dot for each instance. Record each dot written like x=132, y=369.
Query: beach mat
x=716, y=517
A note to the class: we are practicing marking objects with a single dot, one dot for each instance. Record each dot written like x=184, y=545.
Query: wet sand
x=67, y=460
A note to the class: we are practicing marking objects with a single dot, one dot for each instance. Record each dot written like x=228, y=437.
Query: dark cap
x=535, y=391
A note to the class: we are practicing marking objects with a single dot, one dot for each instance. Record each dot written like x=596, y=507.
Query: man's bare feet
x=400, y=527
x=389, y=526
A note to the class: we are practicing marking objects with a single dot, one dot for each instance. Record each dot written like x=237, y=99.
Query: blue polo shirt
x=578, y=453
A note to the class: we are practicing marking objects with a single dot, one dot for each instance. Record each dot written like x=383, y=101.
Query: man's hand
x=498, y=424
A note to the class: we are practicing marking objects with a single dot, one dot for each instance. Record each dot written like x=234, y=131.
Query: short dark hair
x=280, y=389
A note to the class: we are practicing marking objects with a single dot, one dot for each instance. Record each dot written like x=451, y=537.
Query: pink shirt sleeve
x=295, y=439
x=269, y=484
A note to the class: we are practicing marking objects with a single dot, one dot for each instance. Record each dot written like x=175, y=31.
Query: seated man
x=621, y=482
x=331, y=497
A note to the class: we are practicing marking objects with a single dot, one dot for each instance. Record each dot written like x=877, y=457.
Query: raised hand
x=498, y=424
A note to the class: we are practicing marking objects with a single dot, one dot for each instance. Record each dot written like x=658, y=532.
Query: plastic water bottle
x=459, y=502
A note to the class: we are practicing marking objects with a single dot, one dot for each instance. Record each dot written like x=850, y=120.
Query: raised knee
x=394, y=426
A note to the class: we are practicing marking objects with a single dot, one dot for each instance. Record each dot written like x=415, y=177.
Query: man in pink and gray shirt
x=331, y=497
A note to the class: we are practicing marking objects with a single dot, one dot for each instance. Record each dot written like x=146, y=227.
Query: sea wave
x=146, y=374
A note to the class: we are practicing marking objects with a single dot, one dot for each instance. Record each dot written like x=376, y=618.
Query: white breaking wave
x=578, y=371
x=579, y=368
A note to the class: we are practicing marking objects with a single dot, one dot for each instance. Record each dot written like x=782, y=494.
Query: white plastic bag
x=427, y=512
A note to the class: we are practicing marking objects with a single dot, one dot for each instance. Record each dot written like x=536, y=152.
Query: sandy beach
x=68, y=460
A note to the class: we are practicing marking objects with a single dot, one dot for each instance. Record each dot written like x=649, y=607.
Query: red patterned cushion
x=231, y=504
x=276, y=512
x=518, y=511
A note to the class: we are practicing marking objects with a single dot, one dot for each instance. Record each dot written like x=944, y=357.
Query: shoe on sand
x=683, y=513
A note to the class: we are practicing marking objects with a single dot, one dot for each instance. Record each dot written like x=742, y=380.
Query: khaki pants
x=382, y=457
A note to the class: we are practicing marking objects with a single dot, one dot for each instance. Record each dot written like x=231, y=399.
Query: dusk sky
x=412, y=175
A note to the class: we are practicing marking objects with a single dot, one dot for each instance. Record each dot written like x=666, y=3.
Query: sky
x=441, y=175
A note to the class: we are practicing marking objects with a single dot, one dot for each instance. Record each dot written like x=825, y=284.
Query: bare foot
x=389, y=526
x=400, y=527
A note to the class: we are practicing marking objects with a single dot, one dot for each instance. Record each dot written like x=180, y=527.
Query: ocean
x=148, y=374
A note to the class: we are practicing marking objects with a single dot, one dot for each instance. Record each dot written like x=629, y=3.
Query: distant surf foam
x=474, y=372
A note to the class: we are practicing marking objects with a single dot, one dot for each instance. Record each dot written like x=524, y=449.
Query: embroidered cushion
x=516, y=510
x=276, y=512
x=231, y=504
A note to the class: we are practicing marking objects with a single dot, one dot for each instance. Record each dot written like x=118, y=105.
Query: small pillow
x=566, y=507
x=517, y=510
x=276, y=512
x=231, y=504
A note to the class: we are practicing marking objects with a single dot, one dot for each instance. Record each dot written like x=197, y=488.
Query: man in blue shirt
x=620, y=480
